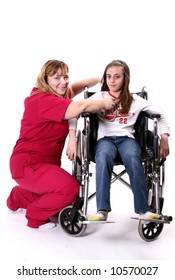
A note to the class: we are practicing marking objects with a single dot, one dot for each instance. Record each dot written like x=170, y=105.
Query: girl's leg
x=105, y=154
x=131, y=156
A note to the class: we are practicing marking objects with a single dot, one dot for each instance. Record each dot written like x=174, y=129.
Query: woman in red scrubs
x=44, y=188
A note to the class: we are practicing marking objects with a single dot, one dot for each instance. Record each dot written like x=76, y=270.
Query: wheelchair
x=73, y=218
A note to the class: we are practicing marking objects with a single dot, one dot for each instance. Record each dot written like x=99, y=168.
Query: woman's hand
x=109, y=103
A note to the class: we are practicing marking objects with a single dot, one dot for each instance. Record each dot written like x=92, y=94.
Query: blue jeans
x=106, y=151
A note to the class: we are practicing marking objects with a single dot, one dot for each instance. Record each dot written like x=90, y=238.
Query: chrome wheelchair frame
x=73, y=218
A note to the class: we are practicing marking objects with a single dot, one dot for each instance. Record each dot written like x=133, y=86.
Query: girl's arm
x=164, y=145
x=72, y=145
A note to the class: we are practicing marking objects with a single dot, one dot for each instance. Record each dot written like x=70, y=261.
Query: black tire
x=77, y=163
x=150, y=232
x=74, y=228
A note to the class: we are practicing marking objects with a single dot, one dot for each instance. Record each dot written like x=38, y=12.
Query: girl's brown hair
x=126, y=96
x=50, y=68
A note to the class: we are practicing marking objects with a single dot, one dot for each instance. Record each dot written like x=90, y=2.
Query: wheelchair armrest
x=151, y=115
x=86, y=114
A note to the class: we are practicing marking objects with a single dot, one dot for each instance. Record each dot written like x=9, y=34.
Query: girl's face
x=59, y=82
x=115, y=78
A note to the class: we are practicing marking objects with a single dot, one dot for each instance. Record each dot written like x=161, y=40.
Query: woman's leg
x=50, y=187
x=20, y=198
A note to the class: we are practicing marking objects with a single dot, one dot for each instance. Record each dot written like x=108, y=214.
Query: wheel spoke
x=151, y=231
x=73, y=228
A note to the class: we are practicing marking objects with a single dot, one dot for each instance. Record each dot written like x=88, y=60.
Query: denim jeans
x=106, y=151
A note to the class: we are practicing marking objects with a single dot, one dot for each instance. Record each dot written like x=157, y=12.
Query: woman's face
x=115, y=78
x=59, y=82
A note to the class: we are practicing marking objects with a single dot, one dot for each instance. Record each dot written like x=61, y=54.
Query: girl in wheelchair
x=116, y=138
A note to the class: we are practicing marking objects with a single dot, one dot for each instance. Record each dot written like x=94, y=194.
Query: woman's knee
x=71, y=188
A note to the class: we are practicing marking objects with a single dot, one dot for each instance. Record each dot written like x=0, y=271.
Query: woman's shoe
x=49, y=225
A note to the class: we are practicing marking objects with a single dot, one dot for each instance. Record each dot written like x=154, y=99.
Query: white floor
x=119, y=241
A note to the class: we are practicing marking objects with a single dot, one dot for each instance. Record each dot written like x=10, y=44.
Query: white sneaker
x=19, y=210
x=149, y=215
x=100, y=216
x=49, y=225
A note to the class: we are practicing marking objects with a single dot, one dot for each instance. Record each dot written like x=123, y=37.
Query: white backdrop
x=86, y=35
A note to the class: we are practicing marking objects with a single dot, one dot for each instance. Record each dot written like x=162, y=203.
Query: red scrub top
x=43, y=132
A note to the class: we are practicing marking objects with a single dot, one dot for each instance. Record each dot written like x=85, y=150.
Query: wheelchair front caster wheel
x=72, y=226
x=149, y=232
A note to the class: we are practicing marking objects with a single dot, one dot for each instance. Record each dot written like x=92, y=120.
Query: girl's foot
x=100, y=216
x=147, y=216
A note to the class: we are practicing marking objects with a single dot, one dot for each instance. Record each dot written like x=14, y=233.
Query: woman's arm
x=77, y=107
x=79, y=86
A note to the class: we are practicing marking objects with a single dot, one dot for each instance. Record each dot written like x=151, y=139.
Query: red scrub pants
x=44, y=190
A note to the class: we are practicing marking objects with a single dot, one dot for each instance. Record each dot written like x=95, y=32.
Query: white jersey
x=114, y=123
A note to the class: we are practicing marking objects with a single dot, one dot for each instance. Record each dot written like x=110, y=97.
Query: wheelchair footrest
x=162, y=220
x=97, y=222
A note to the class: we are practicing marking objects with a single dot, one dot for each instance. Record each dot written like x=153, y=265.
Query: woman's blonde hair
x=50, y=68
x=126, y=96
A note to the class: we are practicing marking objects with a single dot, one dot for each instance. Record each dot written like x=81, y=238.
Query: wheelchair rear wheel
x=150, y=232
x=77, y=163
x=72, y=227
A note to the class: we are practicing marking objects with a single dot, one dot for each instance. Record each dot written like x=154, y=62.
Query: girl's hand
x=164, y=146
x=71, y=150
